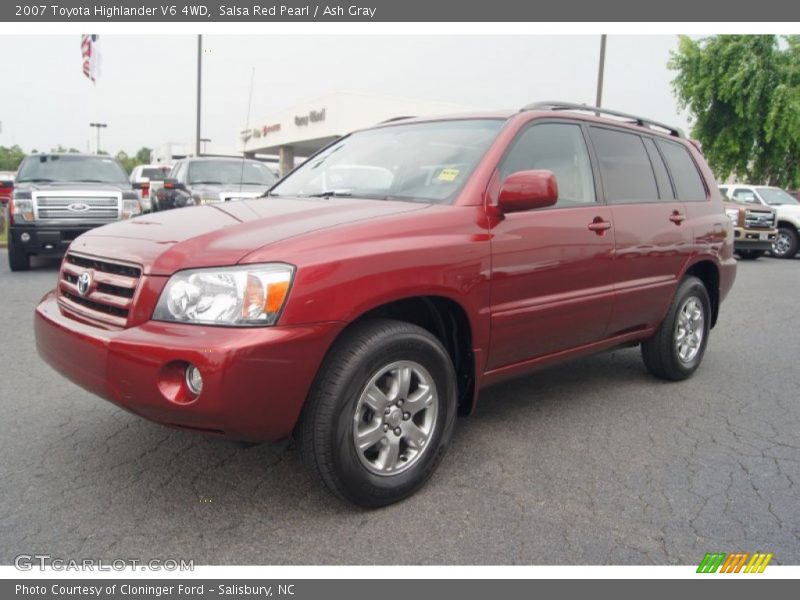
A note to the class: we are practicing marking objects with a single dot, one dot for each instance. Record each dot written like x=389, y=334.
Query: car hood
x=209, y=188
x=66, y=186
x=223, y=234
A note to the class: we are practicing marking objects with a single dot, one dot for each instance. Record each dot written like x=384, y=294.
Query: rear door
x=653, y=240
x=551, y=268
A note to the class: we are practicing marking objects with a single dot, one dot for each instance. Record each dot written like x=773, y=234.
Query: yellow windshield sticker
x=448, y=174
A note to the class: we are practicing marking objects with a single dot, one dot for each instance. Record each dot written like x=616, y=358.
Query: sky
x=146, y=90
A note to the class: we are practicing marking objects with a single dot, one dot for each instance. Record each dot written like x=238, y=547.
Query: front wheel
x=381, y=413
x=677, y=347
x=18, y=259
x=786, y=243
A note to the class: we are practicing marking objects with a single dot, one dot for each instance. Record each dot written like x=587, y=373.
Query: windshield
x=155, y=174
x=416, y=161
x=238, y=172
x=775, y=196
x=97, y=169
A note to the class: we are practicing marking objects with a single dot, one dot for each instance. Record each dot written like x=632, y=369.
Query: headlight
x=238, y=296
x=733, y=215
x=21, y=210
x=130, y=208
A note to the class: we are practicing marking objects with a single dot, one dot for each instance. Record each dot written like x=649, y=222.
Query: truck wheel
x=380, y=414
x=677, y=347
x=786, y=243
x=18, y=260
x=750, y=254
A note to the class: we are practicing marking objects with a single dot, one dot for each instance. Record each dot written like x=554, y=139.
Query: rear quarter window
x=685, y=176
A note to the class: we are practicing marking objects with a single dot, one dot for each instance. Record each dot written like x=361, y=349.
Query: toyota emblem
x=84, y=283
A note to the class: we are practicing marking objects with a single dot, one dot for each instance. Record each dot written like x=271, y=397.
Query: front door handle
x=677, y=217
x=599, y=226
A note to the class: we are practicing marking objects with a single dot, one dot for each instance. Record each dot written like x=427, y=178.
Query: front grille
x=756, y=219
x=109, y=296
x=78, y=207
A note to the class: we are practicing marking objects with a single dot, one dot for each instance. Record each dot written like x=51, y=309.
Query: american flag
x=90, y=56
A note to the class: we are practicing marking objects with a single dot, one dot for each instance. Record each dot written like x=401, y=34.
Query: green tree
x=743, y=93
x=10, y=157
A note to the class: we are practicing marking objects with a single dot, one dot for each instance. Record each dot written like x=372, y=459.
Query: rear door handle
x=599, y=226
x=677, y=217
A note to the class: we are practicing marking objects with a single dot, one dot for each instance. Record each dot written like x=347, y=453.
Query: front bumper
x=753, y=239
x=255, y=380
x=45, y=240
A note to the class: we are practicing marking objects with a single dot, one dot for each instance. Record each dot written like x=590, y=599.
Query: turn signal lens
x=276, y=294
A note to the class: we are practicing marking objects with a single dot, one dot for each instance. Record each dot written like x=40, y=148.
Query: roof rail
x=640, y=121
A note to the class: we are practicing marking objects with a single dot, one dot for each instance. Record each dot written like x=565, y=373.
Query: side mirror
x=526, y=190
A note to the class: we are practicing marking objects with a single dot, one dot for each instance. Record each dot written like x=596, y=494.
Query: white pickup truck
x=787, y=242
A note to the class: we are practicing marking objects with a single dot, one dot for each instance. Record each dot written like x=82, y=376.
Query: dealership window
x=556, y=147
x=688, y=183
x=625, y=167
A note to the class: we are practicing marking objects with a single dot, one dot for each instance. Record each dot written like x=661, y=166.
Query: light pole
x=205, y=141
x=199, y=80
x=600, y=69
x=98, y=126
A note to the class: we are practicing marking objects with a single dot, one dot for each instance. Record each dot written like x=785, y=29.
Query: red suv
x=378, y=287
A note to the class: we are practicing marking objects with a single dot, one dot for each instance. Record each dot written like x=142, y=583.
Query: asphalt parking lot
x=594, y=462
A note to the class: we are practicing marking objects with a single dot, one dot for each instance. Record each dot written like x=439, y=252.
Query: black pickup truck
x=57, y=197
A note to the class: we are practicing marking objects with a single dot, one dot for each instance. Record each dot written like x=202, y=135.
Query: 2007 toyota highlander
x=378, y=287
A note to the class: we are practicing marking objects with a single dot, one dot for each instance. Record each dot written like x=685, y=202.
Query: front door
x=551, y=268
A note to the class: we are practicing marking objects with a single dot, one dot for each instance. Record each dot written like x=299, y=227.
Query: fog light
x=25, y=237
x=194, y=381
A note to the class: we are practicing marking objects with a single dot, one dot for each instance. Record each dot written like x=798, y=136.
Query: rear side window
x=665, y=191
x=624, y=166
x=688, y=183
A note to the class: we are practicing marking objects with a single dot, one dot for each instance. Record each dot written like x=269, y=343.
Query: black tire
x=325, y=433
x=660, y=352
x=792, y=242
x=750, y=254
x=18, y=259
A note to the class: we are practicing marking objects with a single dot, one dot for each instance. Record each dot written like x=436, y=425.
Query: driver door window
x=556, y=147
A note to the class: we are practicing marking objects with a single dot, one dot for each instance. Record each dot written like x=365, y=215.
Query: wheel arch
x=448, y=321
x=707, y=271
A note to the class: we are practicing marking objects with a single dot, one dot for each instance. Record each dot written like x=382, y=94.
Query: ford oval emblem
x=84, y=283
x=78, y=207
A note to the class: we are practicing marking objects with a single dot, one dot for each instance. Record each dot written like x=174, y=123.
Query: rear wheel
x=786, y=243
x=18, y=259
x=676, y=349
x=381, y=413
x=750, y=254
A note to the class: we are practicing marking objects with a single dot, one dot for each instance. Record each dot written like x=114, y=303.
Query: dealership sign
x=314, y=116
x=259, y=132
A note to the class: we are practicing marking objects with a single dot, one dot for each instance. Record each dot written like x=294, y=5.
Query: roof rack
x=640, y=121
x=393, y=119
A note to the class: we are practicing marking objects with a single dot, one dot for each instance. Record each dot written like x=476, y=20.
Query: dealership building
x=303, y=129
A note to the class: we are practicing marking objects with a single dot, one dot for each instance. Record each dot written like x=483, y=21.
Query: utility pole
x=600, y=69
x=199, y=82
x=98, y=126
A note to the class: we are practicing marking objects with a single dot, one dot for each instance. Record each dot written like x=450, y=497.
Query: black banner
x=208, y=11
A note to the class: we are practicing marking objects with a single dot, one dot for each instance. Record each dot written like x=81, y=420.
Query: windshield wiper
x=34, y=180
x=329, y=194
x=205, y=183
x=92, y=181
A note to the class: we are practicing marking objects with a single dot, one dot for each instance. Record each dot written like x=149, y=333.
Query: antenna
x=247, y=125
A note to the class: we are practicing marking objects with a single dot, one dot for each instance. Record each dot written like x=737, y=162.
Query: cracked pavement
x=593, y=462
